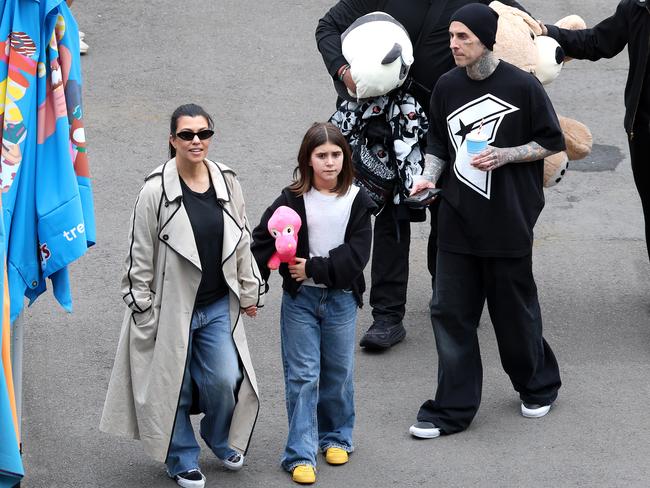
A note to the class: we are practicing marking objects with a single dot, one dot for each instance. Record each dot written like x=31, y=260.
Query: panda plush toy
x=380, y=54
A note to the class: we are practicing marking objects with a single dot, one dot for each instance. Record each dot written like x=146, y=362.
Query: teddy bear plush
x=520, y=42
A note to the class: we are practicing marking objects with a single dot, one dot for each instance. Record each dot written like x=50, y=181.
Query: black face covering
x=481, y=20
x=641, y=3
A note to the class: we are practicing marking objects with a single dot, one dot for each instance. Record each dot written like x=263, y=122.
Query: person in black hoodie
x=628, y=26
x=426, y=21
x=322, y=290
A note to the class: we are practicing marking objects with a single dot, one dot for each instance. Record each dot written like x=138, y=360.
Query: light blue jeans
x=318, y=337
x=213, y=366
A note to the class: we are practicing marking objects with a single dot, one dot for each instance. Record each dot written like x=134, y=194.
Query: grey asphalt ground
x=254, y=65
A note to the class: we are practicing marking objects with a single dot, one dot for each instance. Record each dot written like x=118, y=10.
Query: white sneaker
x=234, y=462
x=83, y=47
x=424, y=430
x=189, y=479
x=533, y=411
x=82, y=35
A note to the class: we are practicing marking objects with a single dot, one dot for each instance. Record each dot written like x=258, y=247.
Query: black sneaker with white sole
x=534, y=411
x=189, y=479
x=234, y=462
x=424, y=430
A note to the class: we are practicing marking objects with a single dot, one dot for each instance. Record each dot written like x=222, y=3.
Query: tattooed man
x=490, y=202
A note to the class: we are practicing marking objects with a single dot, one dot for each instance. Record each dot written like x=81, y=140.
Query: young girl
x=322, y=291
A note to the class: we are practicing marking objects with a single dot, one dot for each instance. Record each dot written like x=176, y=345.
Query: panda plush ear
x=380, y=53
x=393, y=54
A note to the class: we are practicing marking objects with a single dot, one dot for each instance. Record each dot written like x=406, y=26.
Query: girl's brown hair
x=318, y=134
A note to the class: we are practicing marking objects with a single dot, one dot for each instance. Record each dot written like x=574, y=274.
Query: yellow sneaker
x=336, y=455
x=304, y=474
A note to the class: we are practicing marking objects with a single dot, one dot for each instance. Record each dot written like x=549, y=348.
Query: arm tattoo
x=433, y=167
x=524, y=154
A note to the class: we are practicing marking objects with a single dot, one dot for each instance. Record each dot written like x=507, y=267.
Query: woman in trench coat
x=182, y=347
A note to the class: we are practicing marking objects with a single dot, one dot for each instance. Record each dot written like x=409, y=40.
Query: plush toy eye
x=532, y=36
x=288, y=230
x=275, y=233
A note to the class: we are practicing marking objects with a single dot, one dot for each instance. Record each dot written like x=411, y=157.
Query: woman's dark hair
x=187, y=110
x=318, y=134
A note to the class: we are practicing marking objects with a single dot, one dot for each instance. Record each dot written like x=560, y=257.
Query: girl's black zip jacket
x=343, y=269
x=629, y=25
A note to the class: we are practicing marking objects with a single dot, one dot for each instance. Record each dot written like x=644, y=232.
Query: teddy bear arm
x=555, y=167
x=577, y=137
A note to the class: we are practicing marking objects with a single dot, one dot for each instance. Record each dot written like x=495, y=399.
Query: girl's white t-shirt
x=327, y=220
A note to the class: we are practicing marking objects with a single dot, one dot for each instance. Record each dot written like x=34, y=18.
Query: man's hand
x=349, y=82
x=347, y=78
x=543, y=27
x=420, y=185
x=491, y=158
x=495, y=157
x=297, y=269
x=250, y=311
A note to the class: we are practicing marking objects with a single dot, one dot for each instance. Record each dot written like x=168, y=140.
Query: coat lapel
x=177, y=233
x=176, y=229
x=232, y=231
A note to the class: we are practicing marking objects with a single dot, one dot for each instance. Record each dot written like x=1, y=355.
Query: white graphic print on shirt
x=489, y=110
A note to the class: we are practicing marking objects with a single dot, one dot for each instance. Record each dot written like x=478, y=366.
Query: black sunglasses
x=188, y=135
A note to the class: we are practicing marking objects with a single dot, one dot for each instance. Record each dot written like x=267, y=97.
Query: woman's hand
x=250, y=311
x=297, y=269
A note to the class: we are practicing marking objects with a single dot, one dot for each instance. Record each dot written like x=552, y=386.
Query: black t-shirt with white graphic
x=490, y=213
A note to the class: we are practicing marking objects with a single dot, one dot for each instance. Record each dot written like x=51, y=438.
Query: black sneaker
x=189, y=479
x=534, y=411
x=424, y=430
x=382, y=335
x=234, y=461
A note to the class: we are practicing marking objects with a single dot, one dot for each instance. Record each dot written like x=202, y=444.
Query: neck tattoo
x=483, y=67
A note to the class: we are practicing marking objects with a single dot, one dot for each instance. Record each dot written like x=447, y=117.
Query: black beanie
x=481, y=20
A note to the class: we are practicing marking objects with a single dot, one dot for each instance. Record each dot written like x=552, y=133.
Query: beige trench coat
x=161, y=278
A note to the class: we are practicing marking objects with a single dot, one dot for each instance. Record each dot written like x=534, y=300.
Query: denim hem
x=347, y=449
x=289, y=468
x=172, y=475
x=231, y=451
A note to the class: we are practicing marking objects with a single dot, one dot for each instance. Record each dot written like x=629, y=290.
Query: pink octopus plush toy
x=284, y=225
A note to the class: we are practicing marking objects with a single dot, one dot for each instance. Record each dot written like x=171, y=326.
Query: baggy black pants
x=640, y=157
x=389, y=272
x=389, y=269
x=463, y=283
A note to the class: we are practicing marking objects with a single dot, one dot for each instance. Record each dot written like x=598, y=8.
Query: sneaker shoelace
x=234, y=458
x=192, y=474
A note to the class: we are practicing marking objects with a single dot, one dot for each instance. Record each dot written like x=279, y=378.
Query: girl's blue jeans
x=213, y=365
x=318, y=338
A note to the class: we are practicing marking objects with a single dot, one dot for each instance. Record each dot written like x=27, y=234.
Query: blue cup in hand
x=476, y=143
